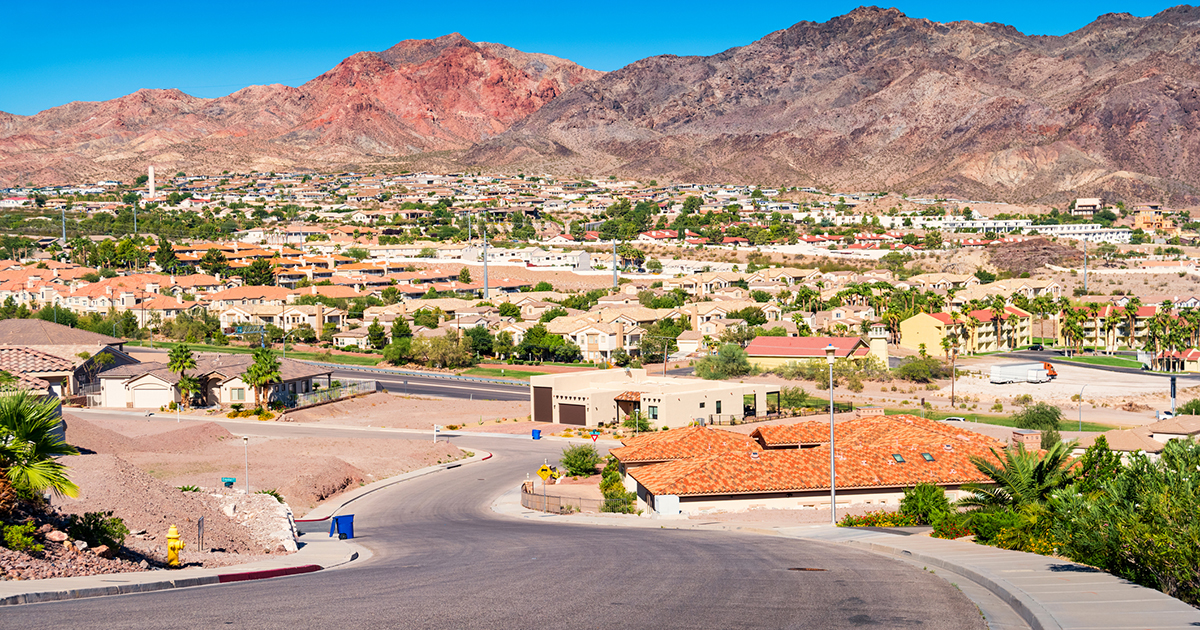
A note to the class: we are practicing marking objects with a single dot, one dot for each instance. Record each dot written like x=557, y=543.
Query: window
x=899, y=458
x=718, y=406
x=927, y=457
x=701, y=405
x=653, y=411
x=238, y=394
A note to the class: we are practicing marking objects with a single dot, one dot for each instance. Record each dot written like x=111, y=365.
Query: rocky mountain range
x=876, y=100
x=869, y=100
x=418, y=97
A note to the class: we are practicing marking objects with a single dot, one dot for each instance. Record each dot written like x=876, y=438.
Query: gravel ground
x=412, y=412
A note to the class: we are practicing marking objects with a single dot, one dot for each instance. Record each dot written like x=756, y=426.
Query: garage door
x=146, y=398
x=572, y=414
x=543, y=404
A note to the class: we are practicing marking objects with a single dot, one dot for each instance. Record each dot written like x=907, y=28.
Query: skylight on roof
x=898, y=457
x=927, y=457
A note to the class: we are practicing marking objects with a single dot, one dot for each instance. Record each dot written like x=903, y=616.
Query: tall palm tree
x=262, y=373
x=996, y=306
x=1130, y=312
x=1094, y=311
x=1019, y=477
x=179, y=360
x=29, y=446
x=1111, y=322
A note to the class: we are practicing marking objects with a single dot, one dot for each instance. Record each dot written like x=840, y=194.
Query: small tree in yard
x=637, y=422
x=464, y=276
x=376, y=337
x=924, y=501
x=731, y=360
x=581, y=460
x=1041, y=416
x=262, y=373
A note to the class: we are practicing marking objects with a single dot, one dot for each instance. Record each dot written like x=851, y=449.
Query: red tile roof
x=682, y=443
x=806, y=347
x=870, y=430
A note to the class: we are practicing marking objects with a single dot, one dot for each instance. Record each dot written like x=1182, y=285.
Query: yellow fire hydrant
x=174, y=546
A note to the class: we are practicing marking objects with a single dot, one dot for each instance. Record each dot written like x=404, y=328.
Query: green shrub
x=189, y=488
x=637, y=421
x=581, y=460
x=921, y=369
x=274, y=493
x=882, y=518
x=924, y=501
x=98, y=528
x=950, y=525
x=987, y=525
x=20, y=538
x=616, y=498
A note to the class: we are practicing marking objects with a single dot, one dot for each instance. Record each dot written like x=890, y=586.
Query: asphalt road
x=443, y=560
x=432, y=386
x=1053, y=356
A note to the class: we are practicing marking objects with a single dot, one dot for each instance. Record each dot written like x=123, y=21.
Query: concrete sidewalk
x=319, y=551
x=1044, y=593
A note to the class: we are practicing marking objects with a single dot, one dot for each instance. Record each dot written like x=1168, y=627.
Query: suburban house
x=603, y=397
x=152, y=385
x=80, y=348
x=877, y=458
x=773, y=352
x=1148, y=440
x=665, y=446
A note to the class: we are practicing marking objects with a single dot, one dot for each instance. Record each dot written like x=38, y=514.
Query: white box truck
x=1020, y=373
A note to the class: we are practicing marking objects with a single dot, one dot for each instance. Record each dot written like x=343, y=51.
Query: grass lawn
x=496, y=373
x=1110, y=361
x=300, y=356
x=1004, y=421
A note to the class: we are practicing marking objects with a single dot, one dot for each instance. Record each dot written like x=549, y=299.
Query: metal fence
x=92, y=392
x=798, y=412
x=534, y=500
x=344, y=388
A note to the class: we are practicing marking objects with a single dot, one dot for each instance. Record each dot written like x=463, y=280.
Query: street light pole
x=953, y=372
x=829, y=358
x=246, y=444
x=1081, y=406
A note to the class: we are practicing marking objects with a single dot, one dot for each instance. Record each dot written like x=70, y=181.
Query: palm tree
x=1130, y=312
x=1022, y=478
x=1110, y=326
x=179, y=360
x=263, y=372
x=996, y=306
x=28, y=448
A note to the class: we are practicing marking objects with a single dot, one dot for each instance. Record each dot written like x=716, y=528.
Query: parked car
x=1163, y=415
x=1037, y=347
x=954, y=419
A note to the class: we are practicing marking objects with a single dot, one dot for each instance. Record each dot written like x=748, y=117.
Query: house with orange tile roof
x=877, y=459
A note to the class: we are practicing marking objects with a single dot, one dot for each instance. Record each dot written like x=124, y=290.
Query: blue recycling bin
x=343, y=526
x=537, y=434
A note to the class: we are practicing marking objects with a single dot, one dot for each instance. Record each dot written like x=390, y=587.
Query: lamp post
x=829, y=358
x=1081, y=406
x=246, y=444
x=953, y=371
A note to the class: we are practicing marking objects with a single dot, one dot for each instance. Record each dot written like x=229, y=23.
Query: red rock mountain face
x=419, y=96
x=876, y=100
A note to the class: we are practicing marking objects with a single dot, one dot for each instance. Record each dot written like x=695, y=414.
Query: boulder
x=81, y=545
x=56, y=536
x=103, y=551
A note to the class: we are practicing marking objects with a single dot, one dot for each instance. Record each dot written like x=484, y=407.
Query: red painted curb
x=267, y=573
x=489, y=456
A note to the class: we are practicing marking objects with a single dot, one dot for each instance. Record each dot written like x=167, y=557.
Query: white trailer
x=1020, y=373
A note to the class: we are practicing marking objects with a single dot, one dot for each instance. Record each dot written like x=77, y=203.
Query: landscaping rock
x=81, y=545
x=56, y=536
x=103, y=551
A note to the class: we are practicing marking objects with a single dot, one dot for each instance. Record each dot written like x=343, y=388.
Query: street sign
x=228, y=481
x=545, y=472
x=595, y=436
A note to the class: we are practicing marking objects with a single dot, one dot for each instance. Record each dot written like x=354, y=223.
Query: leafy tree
x=165, y=256
x=654, y=265
x=479, y=340
x=376, y=337
x=259, y=273
x=921, y=369
x=428, y=318
x=1041, y=416
x=214, y=262
x=400, y=329
x=581, y=460
x=262, y=373
x=399, y=352
x=551, y=314
x=543, y=286
x=502, y=345
x=464, y=275
x=30, y=448
x=358, y=254
x=752, y=315
x=58, y=314
x=427, y=252
x=985, y=276
x=508, y=309
x=729, y=361
x=1190, y=408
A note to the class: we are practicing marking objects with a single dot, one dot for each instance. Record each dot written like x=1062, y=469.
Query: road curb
x=266, y=574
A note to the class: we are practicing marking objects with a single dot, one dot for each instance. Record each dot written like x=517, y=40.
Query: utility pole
x=483, y=231
x=1085, y=266
x=614, y=261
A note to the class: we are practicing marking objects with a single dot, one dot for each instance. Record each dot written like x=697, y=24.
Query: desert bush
x=987, y=525
x=272, y=492
x=950, y=525
x=98, y=528
x=20, y=538
x=580, y=460
x=921, y=369
x=189, y=488
x=924, y=501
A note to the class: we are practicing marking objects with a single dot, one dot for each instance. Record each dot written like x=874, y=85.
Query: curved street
x=442, y=559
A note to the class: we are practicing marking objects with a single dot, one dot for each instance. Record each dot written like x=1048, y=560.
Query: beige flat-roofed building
x=607, y=396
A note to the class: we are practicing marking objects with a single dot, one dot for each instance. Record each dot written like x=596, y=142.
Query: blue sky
x=57, y=52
